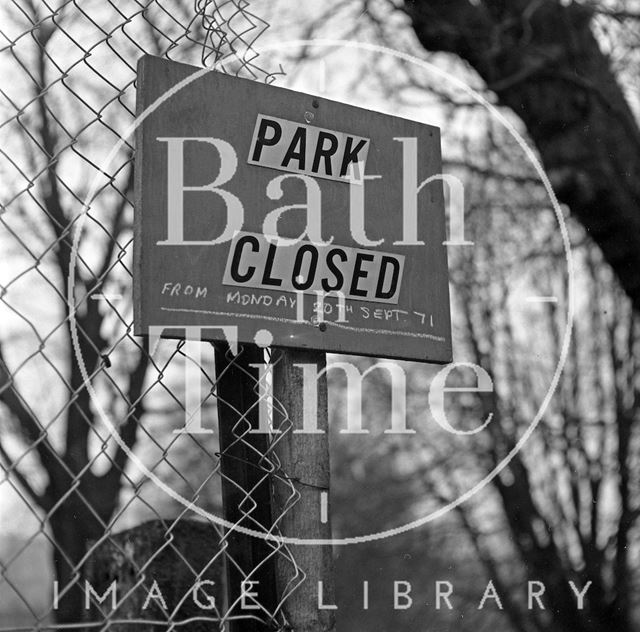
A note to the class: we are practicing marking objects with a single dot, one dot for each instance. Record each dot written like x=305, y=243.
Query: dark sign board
x=297, y=218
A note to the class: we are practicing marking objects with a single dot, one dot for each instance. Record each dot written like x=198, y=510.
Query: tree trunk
x=69, y=548
x=543, y=61
x=79, y=518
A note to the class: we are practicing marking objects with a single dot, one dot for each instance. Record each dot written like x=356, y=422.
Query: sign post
x=243, y=478
x=302, y=510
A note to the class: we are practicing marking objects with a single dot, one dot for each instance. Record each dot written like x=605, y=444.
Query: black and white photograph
x=320, y=317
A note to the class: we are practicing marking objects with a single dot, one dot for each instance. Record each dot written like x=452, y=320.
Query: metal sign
x=287, y=218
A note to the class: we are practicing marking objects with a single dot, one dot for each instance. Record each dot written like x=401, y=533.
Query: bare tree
x=569, y=500
x=543, y=60
x=65, y=106
x=566, y=507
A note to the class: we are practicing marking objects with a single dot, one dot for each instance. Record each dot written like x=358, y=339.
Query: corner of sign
x=141, y=64
x=448, y=359
x=144, y=60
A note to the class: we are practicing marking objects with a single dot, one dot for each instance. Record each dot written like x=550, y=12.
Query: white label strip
x=313, y=151
x=354, y=273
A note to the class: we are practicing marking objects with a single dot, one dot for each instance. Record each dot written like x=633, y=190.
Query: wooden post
x=304, y=460
x=236, y=388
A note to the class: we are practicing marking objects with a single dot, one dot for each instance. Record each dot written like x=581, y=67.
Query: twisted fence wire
x=69, y=97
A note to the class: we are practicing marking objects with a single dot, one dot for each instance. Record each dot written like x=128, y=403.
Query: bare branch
x=11, y=469
x=116, y=226
x=27, y=421
x=128, y=430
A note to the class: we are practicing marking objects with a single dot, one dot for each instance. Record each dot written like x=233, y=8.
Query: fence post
x=244, y=475
x=304, y=461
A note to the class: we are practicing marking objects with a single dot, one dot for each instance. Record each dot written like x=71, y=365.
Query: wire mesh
x=77, y=509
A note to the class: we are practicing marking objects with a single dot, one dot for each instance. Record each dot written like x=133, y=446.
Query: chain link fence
x=77, y=509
